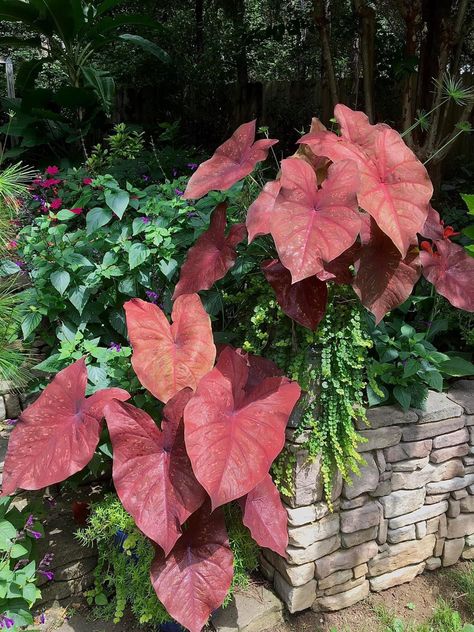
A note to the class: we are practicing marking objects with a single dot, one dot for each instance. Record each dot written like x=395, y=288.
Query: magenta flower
x=12, y=244
x=6, y=622
x=52, y=171
x=87, y=181
x=50, y=182
x=76, y=211
x=56, y=204
x=145, y=220
x=49, y=575
x=179, y=192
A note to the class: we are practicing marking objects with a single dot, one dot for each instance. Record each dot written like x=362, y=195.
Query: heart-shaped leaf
x=231, y=162
x=222, y=423
x=195, y=577
x=168, y=358
x=311, y=225
x=259, y=212
x=305, y=301
x=265, y=516
x=212, y=255
x=57, y=435
x=151, y=470
x=395, y=188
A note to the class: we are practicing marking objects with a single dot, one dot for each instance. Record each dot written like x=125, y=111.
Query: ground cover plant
x=350, y=209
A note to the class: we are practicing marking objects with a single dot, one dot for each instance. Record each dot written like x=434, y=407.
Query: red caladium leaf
x=383, y=280
x=304, y=301
x=339, y=270
x=451, y=270
x=231, y=162
x=151, y=470
x=311, y=225
x=433, y=227
x=57, y=435
x=259, y=212
x=232, y=437
x=212, y=255
x=168, y=358
x=259, y=369
x=195, y=578
x=395, y=188
x=265, y=516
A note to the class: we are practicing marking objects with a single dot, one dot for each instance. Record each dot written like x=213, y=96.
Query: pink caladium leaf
x=195, y=577
x=231, y=162
x=383, y=279
x=320, y=164
x=433, y=227
x=232, y=437
x=212, y=255
x=259, y=369
x=259, y=212
x=57, y=435
x=451, y=270
x=168, y=358
x=265, y=516
x=311, y=225
x=151, y=470
x=305, y=301
x=395, y=188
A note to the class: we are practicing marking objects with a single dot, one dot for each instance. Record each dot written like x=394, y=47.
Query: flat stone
x=438, y=406
x=461, y=526
x=301, y=515
x=251, y=610
x=463, y=394
x=5, y=387
x=397, y=577
x=394, y=536
x=339, y=577
x=56, y=590
x=402, y=501
x=295, y=599
x=444, y=454
x=294, y=574
x=452, y=551
x=314, y=551
x=380, y=460
x=362, y=518
x=468, y=554
x=438, y=550
x=453, y=438
x=411, y=450
x=432, y=563
x=431, y=499
x=467, y=505
x=343, y=600
x=418, y=432
x=383, y=489
x=358, y=537
x=306, y=535
x=459, y=494
x=267, y=570
x=382, y=531
x=380, y=438
x=307, y=481
x=12, y=406
x=431, y=473
x=366, y=482
x=3, y=410
x=454, y=508
x=450, y=485
x=411, y=465
x=432, y=525
x=360, y=570
x=470, y=540
x=420, y=529
x=355, y=502
x=345, y=558
x=443, y=526
x=384, y=416
x=401, y=555
x=342, y=588
x=424, y=513
x=72, y=570
x=469, y=420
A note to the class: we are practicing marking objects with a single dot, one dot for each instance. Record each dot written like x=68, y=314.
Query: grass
x=463, y=580
x=444, y=619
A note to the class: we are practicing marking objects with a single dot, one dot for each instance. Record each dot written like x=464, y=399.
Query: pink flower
x=12, y=244
x=56, y=204
x=87, y=181
x=76, y=211
x=50, y=182
x=52, y=171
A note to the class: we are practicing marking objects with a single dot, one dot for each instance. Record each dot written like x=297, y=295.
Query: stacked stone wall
x=411, y=510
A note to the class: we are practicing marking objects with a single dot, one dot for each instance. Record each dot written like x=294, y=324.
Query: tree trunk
x=322, y=21
x=366, y=17
x=199, y=21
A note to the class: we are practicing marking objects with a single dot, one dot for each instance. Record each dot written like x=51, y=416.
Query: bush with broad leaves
x=346, y=209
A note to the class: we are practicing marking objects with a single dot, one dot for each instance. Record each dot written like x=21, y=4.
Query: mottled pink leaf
x=151, y=470
x=232, y=437
x=433, y=227
x=383, y=279
x=212, y=255
x=168, y=358
x=231, y=162
x=265, y=516
x=395, y=188
x=451, y=270
x=57, y=435
x=311, y=225
x=304, y=301
x=194, y=579
x=259, y=212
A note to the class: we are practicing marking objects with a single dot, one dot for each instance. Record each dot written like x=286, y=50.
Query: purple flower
x=20, y=564
x=34, y=534
x=174, y=172
x=145, y=177
x=29, y=522
x=49, y=500
x=6, y=622
x=46, y=561
x=21, y=264
x=11, y=422
x=191, y=214
x=179, y=192
x=153, y=296
x=115, y=346
x=192, y=165
x=145, y=220
x=42, y=618
x=49, y=575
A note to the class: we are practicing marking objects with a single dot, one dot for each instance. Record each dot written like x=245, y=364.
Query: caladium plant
x=221, y=429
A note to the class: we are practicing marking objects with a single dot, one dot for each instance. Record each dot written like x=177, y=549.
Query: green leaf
x=434, y=379
x=78, y=260
x=168, y=268
x=28, y=73
x=8, y=268
x=403, y=396
x=128, y=286
x=60, y=280
x=457, y=367
x=117, y=201
x=30, y=593
x=411, y=367
x=469, y=231
x=101, y=600
x=31, y=322
x=103, y=85
x=7, y=533
x=147, y=46
x=18, y=550
x=469, y=201
x=138, y=253
x=117, y=320
x=65, y=215
x=96, y=218
x=79, y=297
x=53, y=364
